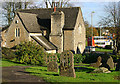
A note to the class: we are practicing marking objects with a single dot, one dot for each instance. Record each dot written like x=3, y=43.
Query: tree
x=89, y=30
x=111, y=19
x=58, y=4
x=10, y=8
x=95, y=32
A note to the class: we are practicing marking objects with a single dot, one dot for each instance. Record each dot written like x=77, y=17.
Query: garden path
x=17, y=74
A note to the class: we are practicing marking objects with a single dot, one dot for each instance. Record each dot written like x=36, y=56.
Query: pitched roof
x=44, y=15
x=30, y=22
x=44, y=42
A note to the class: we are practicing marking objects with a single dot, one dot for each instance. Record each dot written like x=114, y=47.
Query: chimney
x=57, y=24
x=55, y=9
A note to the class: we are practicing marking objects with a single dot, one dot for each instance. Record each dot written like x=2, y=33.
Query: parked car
x=89, y=48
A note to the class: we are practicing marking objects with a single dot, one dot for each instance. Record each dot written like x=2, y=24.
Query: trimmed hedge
x=79, y=58
x=91, y=57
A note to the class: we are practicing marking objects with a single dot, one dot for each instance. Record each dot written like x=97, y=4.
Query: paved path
x=17, y=74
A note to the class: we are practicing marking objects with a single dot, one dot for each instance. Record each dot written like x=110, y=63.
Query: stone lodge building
x=55, y=31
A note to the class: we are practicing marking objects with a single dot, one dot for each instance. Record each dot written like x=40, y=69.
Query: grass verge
x=103, y=50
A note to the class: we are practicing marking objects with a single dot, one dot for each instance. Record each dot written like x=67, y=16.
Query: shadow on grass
x=42, y=70
x=28, y=72
x=83, y=69
x=53, y=74
x=25, y=72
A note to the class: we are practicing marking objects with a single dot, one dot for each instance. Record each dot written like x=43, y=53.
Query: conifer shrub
x=8, y=53
x=30, y=53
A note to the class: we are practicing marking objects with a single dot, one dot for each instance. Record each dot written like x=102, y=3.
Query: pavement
x=18, y=75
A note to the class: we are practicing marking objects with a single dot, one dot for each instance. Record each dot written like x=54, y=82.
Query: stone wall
x=11, y=40
x=68, y=40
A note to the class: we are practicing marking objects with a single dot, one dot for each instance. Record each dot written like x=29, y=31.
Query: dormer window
x=16, y=21
x=17, y=32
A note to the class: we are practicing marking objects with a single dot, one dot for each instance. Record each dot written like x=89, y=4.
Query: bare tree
x=112, y=20
x=10, y=8
x=57, y=4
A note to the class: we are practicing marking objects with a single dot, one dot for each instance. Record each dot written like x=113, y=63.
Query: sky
x=87, y=8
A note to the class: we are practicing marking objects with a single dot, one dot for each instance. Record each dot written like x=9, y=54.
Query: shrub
x=58, y=57
x=78, y=58
x=115, y=57
x=7, y=53
x=30, y=53
x=91, y=57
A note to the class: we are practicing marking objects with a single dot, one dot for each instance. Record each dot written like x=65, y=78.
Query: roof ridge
x=19, y=10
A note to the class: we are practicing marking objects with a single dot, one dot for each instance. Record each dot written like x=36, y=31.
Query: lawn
x=82, y=75
x=7, y=63
x=103, y=50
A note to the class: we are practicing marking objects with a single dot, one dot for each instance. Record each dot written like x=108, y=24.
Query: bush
x=78, y=58
x=91, y=57
x=7, y=53
x=58, y=57
x=30, y=53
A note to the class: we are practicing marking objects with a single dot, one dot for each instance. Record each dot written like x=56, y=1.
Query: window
x=17, y=32
x=16, y=21
x=80, y=28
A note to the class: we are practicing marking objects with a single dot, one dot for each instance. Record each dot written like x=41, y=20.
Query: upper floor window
x=16, y=21
x=17, y=32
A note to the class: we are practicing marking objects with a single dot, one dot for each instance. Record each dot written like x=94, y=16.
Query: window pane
x=18, y=32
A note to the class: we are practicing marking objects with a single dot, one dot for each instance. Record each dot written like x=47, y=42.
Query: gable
x=11, y=38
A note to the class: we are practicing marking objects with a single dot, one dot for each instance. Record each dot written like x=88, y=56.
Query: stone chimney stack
x=57, y=24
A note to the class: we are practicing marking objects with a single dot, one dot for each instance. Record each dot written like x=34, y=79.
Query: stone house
x=56, y=31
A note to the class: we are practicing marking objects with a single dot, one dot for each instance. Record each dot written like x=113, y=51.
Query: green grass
x=7, y=63
x=81, y=75
x=103, y=50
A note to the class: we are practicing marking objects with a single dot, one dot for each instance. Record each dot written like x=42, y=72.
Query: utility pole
x=100, y=31
x=92, y=22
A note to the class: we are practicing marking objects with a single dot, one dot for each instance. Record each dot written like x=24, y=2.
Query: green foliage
x=7, y=53
x=30, y=53
x=58, y=57
x=91, y=57
x=78, y=58
x=115, y=57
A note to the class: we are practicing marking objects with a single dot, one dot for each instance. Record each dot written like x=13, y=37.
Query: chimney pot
x=54, y=9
